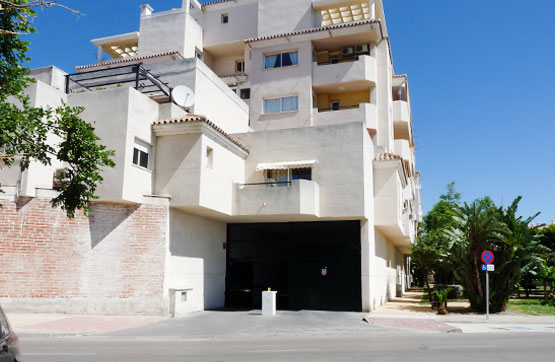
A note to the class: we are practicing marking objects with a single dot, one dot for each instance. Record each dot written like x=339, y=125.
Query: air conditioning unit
x=347, y=51
x=363, y=48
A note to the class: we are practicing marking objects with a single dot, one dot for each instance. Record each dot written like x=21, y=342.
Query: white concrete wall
x=141, y=114
x=285, y=81
x=284, y=16
x=384, y=97
x=197, y=259
x=243, y=22
x=218, y=103
x=39, y=175
x=162, y=32
x=339, y=170
x=225, y=65
x=182, y=171
x=119, y=115
x=178, y=163
x=213, y=98
x=385, y=258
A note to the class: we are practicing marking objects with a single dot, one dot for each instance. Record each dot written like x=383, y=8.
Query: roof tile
x=193, y=118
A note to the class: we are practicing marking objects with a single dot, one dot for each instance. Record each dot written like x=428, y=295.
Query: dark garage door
x=312, y=265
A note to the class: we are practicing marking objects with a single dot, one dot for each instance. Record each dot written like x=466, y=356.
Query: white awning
x=285, y=165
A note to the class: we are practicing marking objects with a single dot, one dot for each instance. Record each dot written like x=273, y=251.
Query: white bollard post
x=269, y=303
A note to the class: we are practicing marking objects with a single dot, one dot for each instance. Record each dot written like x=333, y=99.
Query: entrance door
x=313, y=265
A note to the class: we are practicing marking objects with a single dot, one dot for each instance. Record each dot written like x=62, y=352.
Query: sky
x=481, y=76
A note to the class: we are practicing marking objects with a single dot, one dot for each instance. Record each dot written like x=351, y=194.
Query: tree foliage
x=430, y=245
x=483, y=226
x=27, y=132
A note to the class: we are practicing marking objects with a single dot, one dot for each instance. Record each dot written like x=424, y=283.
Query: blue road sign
x=484, y=267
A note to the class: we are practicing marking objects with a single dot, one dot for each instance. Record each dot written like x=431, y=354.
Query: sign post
x=487, y=259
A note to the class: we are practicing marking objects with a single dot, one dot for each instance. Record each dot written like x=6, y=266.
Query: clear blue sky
x=481, y=75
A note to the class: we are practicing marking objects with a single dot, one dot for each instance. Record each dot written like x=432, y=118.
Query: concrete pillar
x=146, y=10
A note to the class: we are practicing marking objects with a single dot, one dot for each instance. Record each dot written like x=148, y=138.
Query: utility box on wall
x=179, y=303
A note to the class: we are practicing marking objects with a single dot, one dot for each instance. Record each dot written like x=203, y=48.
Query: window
x=279, y=60
x=301, y=174
x=198, y=54
x=239, y=66
x=141, y=154
x=245, y=93
x=335, y=105
x=209, y=157
x=284, y=177
x=280, y=105
x=225, y=18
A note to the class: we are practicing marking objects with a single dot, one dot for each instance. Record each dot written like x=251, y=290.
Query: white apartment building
x=293, y=169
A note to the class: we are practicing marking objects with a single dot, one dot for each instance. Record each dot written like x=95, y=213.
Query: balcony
x=402, y=148
x=361, y=70
x=391, y=215
x=298, y=197
x=402, y=120
x=363, y=112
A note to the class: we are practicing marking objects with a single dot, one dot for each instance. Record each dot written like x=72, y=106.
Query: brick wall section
x=117, y=251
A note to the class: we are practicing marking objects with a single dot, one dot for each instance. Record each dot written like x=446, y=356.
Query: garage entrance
x=312, y=265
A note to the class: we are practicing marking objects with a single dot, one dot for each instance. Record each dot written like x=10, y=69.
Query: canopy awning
x=285, y=165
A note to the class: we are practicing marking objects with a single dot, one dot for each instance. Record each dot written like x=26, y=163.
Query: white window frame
x=281, y=111
x=280, y=53
x=144, y=147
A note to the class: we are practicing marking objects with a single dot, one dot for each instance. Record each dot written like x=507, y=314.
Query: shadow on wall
x=103, y=219
x=21, y=202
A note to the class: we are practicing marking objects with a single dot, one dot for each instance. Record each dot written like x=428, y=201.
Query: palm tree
x=477, y=227
x=481, y=226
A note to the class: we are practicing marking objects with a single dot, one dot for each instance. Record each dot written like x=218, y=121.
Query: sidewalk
x=407, y=312
x=64, y=324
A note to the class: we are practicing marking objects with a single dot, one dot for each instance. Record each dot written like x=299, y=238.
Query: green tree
x=25, y=129
x=481, y=226
x=436, y=221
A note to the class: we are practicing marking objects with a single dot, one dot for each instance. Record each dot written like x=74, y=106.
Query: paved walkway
x=407, y=312
x=63, y=324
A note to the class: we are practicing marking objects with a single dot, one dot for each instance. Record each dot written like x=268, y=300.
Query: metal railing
x=271, y=184
x=134, y=75
x=344, y=59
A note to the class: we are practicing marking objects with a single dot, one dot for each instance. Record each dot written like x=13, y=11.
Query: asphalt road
x=423, y=347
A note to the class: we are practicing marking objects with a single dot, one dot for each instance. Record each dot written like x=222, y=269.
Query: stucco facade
x=298, y=117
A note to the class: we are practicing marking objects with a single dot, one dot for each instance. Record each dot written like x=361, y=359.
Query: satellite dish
x=183, y=96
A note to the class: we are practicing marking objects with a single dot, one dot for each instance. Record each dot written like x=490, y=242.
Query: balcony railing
x=268, y=184
x=134, y=75
x=297, y=197
x=340, y=108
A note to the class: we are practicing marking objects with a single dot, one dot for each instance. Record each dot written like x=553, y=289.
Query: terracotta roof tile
x=314, y=30
x=128, y=59
x=215, y=2
x=193, y=118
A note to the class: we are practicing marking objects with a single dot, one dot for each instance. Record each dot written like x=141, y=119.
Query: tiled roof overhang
x=215, y=3
x=139, y=58
x=192, y=119
x=316, y=30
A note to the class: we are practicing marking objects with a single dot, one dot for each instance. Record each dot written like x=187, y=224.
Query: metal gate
x=312, y=265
